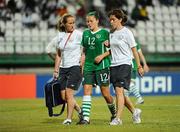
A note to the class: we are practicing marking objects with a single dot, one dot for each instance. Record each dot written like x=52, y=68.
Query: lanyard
x=67, y=39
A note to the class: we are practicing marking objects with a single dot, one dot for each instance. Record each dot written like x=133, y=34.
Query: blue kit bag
x=53, y=97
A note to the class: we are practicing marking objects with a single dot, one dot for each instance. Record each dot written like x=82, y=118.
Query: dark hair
x=118, y=13
x=94, y=13
x=62, y=21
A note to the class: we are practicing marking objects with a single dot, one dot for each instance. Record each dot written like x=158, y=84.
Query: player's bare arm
x=99, y=58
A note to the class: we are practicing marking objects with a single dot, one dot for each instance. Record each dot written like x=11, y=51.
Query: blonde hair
x=62, y=21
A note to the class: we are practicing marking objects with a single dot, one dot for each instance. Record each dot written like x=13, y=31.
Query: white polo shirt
x=71, y=52
x=121, y=42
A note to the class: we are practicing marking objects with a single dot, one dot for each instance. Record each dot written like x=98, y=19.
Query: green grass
x=160, y=113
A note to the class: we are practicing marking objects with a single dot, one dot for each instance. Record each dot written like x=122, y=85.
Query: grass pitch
x=159, y=113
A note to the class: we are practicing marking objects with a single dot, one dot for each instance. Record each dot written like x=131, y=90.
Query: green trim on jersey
x=93, y=45
x=133, y=74
x=138, y=47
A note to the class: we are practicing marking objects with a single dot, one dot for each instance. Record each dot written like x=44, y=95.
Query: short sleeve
x=138, y=46
x=131, y=39
x=108, y=36
x=79, y=36
x=82, y=39
x=52, y=45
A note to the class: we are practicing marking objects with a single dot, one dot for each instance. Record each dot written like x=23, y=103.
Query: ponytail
x=60, y=25
x=62, y=21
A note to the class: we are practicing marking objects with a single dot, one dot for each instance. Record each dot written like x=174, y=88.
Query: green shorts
x=100, y=77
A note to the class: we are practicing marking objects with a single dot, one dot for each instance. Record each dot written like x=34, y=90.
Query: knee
x=108, y=97
x=120, y=92
x=69, y=97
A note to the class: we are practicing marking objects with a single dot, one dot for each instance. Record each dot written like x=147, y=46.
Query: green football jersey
x=93, y=45
x=138, y=47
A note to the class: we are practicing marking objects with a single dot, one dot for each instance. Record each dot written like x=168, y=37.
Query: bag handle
x=62, y=110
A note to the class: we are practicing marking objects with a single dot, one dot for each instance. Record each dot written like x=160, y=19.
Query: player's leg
x=119, y=106
x=121, y=83
x=103, y=81
x=115, y=79
x=73, y=81
x=76, y=107
x=109, y=100
x=86, y=102
x=70, y=105
x=128, y=103
x=63, y=93
x=134, y=89
x=136, y=113
x=63, y=81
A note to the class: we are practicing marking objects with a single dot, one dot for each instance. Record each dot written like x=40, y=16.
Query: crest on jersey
x=98, y=36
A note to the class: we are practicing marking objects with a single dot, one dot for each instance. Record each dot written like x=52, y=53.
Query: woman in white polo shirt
x=67, y=62
x=123, y=46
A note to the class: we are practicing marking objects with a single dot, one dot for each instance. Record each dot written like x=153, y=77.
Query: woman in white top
x=67, y=62
x=123, y=46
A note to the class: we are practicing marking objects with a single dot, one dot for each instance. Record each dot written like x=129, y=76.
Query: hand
x=55, y=75
x=146, y=68
x=141, y=71
x=106, y=43
x=98, y=59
